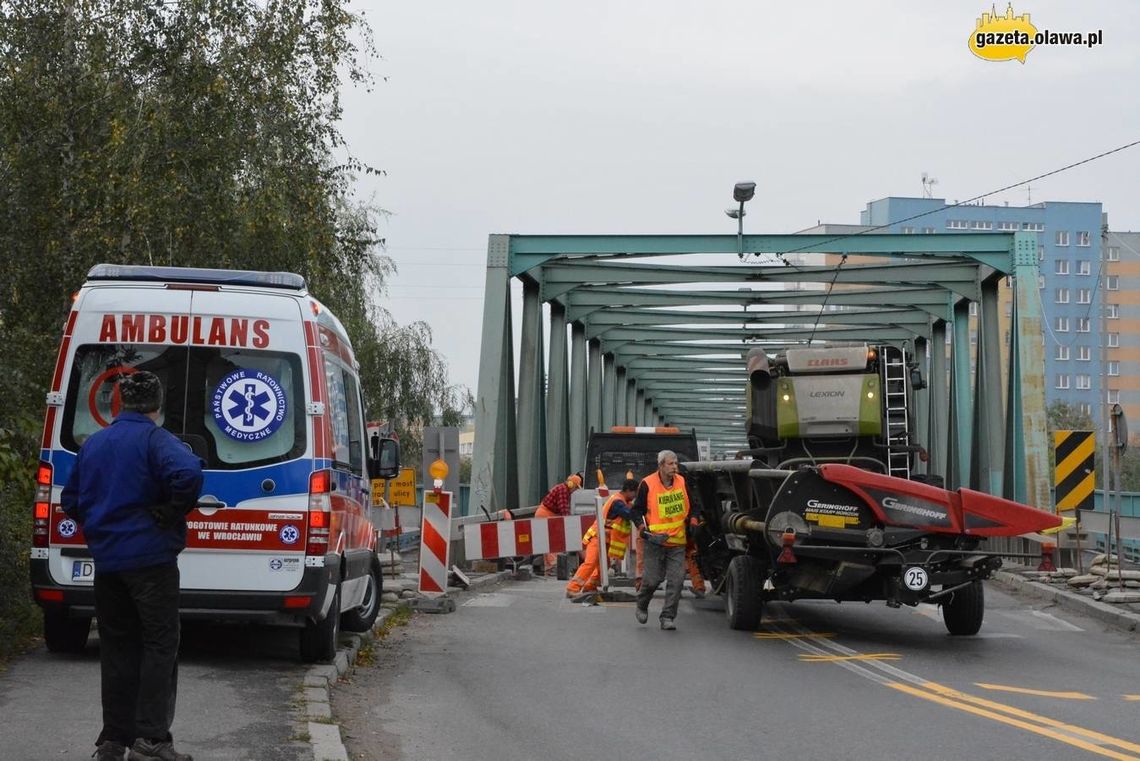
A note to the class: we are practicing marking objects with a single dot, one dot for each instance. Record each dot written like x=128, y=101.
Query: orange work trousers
x=694, y=571
x=589, y=574
x=550, y=559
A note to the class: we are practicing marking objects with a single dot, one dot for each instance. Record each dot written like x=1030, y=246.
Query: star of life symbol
x=67, y=528
x=289, y=534
x=249, y=405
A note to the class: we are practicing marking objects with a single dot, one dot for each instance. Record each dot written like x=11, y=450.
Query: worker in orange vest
x=661, y=511
x=556, y=504
x=618, y=530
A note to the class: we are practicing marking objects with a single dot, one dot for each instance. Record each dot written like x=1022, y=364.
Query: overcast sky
x=517, y=116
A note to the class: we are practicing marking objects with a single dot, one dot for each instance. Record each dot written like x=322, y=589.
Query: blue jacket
x=121, y=474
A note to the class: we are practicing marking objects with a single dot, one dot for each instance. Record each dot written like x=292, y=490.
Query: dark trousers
x=137, y=612
x=663, y=564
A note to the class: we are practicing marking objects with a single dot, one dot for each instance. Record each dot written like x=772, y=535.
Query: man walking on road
x=661, y=508
x=130, y=490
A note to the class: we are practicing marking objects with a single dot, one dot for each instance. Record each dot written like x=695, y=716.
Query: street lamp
x=741, y=193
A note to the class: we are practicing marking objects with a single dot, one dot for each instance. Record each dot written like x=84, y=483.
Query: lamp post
x=741, y=193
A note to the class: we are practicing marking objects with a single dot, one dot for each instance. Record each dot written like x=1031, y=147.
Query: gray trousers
x=663, y=564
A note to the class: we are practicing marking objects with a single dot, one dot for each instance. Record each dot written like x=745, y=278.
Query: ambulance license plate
x=83, y=571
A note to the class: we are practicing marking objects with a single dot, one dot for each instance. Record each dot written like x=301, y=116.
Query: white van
x=261, y=382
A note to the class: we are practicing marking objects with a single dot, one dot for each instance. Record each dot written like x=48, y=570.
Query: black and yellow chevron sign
x=1075, y=474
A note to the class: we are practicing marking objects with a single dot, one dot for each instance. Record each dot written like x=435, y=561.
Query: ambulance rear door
x=246, y=415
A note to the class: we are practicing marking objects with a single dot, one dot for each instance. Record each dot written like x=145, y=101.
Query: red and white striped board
x=533, y=536
x=435, y=548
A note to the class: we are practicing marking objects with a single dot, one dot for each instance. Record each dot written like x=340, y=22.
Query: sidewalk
x=1125, y=616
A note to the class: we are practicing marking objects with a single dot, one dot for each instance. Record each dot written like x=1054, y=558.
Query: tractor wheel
x=742, y=601
x=361, y=619
x=963, y=613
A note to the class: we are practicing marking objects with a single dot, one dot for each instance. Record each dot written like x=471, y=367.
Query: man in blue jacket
x=130, y=489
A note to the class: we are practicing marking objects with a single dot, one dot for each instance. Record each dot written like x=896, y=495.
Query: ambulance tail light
x=320, y=512
x=41, y=516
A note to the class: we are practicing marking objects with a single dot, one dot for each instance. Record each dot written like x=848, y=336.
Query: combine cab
x=827, y=504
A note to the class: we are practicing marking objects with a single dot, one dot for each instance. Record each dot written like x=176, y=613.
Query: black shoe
x=149, y=750
x=110, y=750
x=642, y=615
x=668, y=625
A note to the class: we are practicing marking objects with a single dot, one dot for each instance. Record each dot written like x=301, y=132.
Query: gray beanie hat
x=141, y=392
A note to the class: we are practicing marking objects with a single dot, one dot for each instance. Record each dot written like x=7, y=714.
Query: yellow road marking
x=1040, y=693
x=807, y=658
x=783, y=635
x=1091, y=734
x=1131, y=697
x=951, y=698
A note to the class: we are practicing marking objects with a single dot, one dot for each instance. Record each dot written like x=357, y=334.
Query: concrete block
x=316, y=710
x=317, y=694
x=326, y=742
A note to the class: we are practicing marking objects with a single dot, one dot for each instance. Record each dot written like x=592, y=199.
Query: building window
x=1062, y=238
x=1061, y=267
x=1083, y=353
x=1007, y=225
x=1084, y=382
x=928, y=231
x=1061, y=296
x=1040, y=253
x=1113, y=254
x=1113, y=396
x=1084, y=267
x=1083, y=238
x=978, y=225
x=1113, y=340
x=1009, y=309
x=1112, y=311
x=1084, y=295
x=1083, y=324
x=1062, y=380
x=1033, y=227
x=908, y=231
x=1114, y=368
x=1112, y=282
x=1086, y=408
x=1040, y=281
x=973, y=309
x=1061, y=325
x=1061, y=354
x=957, y=224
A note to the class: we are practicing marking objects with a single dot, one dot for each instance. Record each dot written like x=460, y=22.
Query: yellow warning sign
x=401, y=490
x=1075, y=474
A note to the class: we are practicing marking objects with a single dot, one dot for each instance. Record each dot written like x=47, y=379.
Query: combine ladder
x=897, y=421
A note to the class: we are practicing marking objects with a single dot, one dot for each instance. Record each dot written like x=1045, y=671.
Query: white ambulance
x=261, y=382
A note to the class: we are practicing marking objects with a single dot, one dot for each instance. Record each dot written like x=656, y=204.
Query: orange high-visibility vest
x=617, y=532
x=667, y=509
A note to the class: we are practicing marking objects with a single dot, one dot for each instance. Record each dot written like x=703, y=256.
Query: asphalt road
x=519, y=672
x=239, y=689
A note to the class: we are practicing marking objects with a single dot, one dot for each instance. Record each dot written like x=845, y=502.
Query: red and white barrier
x=533, y=536
x=434, y=545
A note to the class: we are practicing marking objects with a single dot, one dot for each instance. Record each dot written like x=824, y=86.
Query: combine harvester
x=826, y=503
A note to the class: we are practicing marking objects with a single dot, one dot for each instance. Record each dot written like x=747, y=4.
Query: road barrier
x=434, y=546
x=532, y=536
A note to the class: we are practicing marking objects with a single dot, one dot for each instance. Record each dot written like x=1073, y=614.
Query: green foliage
x=1062, y=416
x=196, y=133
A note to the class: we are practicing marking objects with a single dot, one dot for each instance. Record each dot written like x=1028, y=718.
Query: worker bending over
x=618, y=512
x=556, y=504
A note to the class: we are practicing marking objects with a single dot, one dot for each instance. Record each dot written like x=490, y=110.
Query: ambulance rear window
x=238, y=408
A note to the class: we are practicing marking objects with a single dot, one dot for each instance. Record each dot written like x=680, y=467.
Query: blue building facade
x=1069, y=253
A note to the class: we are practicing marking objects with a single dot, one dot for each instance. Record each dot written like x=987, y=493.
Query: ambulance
x=260, y=381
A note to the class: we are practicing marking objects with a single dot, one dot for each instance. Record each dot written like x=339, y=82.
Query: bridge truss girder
x=636, y=342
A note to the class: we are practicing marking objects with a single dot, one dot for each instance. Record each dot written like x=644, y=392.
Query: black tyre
x=742, y=602
x=361, y=619
x=965, y=609
x=319, y=638
x=63, y=634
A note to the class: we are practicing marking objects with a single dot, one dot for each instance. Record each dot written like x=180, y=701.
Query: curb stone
x=1072, y=601
x=324, y=732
